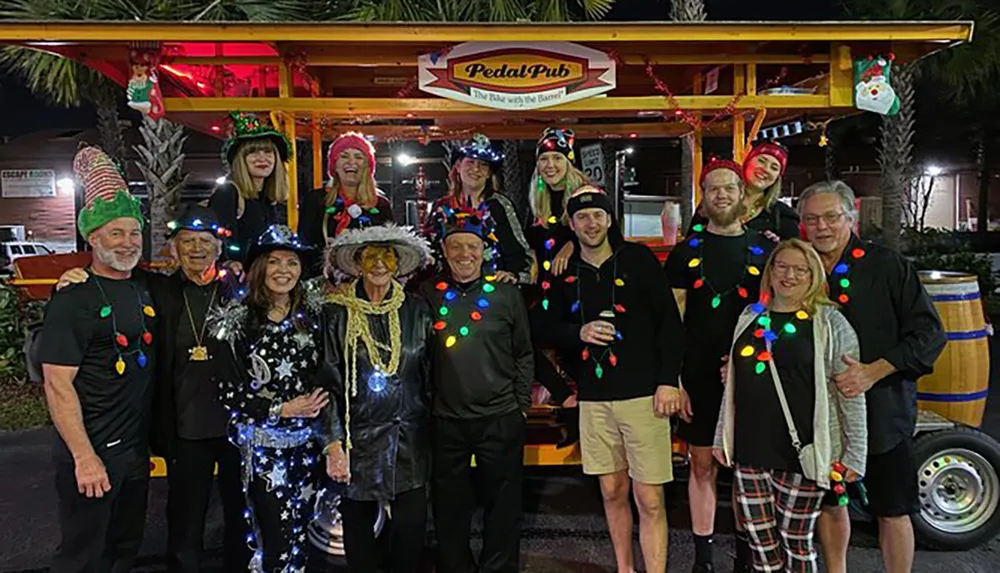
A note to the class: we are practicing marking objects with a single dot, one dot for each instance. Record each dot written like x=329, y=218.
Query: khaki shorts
x=626, y=434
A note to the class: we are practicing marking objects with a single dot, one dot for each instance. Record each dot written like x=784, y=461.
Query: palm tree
x=687, y=11
x=966, y=72
x=477, y=10
x=161, y=159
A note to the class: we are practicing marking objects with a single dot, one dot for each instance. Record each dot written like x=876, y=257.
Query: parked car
x=13, y=250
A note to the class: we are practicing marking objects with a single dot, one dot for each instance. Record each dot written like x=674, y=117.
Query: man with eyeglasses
x=901, y=336
x=714, y=274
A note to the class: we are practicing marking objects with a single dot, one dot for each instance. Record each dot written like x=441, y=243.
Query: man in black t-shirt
x=189, y=424
x=714, y=274
x=96, y=357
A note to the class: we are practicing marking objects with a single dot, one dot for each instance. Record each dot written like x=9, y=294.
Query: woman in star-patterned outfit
x=270, y=385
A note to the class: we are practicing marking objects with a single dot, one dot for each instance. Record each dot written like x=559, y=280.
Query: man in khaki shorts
x=614, y=321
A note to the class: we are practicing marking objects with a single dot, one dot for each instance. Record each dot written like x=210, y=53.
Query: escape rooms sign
x=518, y=75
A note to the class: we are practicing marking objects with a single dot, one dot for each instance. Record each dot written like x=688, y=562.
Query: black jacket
x=168, y=297
x=651, y=347
x=389, y=427
x=489, y=371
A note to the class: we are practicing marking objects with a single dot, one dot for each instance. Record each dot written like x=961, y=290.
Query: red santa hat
x=775, y=150
x=715, y=164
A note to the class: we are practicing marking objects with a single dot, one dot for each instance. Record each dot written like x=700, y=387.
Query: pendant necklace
x=199, y=352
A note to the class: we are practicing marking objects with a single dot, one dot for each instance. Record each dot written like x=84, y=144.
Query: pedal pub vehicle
x=608, y=81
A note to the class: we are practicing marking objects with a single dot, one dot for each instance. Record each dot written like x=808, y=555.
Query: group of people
x=387, y=358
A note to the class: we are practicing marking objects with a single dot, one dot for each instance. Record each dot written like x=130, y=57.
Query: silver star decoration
x=307, y=492
x=284, y=515
x=284, y=369
x=279, y=494
x=283, y=557
x=265, y=338
x=303, y=339
x=276, y=477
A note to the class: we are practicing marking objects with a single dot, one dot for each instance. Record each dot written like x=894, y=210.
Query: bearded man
x=188, y=423
x=714, y=275
x=96, y=354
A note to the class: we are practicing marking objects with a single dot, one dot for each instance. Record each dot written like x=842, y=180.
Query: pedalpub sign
x=517, y=75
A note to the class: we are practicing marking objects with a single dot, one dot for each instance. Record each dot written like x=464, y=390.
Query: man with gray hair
x=901, y=336
x=188, y=423
x=96, y=357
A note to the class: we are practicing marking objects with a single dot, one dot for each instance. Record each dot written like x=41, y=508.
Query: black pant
x=401, y=542
x=102, y=535
x=281, y=496
x=190, y=477
x=498, y=444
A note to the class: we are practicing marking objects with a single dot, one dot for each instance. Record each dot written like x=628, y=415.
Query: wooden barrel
x=959, y=385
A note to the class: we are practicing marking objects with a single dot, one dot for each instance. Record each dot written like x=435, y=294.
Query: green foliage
x=476, y=10
x=15, y=317
x=22, y=406
x=941, y=250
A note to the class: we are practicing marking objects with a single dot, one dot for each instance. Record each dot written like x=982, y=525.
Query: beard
x=725, y=217
x=119, y=263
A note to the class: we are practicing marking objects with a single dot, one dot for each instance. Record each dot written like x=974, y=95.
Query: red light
x=633, y=135
x=200, y=85
x=216, y=128
x=678, y=112
x=409, y=115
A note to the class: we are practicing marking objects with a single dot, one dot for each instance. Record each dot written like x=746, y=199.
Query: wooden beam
x=739, y=123
x=619, y=32
x=841, y=76
x=285, y=83
x=527, y=131
x=317, y=149
x=435, y=107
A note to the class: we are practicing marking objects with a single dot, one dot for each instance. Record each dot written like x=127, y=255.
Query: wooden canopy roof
x=332, y=77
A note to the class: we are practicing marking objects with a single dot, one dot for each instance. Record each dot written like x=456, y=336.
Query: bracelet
x=274, y=412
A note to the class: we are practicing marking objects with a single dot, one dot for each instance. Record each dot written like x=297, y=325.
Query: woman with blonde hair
x=785, y=428
x=351, y=193
x=472, y=186
x=251, y=198
x=763, y=169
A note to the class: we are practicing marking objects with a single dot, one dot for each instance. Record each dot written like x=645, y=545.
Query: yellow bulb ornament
x=120, y=366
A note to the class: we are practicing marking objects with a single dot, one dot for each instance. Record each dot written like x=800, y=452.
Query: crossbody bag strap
x=796, y=442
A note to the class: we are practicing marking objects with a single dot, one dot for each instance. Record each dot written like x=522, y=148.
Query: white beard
x=120, y=264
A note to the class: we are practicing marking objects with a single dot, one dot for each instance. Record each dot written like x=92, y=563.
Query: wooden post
x=739, y=122
x=285, y=87
x=317, y=149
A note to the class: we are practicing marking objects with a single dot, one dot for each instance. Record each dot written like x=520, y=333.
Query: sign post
x=592, y=162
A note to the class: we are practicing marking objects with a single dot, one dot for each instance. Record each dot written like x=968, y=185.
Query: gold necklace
x=199, y=353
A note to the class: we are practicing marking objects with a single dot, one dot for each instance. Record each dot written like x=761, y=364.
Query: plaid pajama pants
x=779, y=510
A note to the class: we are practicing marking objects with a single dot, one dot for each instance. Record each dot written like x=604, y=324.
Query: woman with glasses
x=785, y=429
x=763, y=169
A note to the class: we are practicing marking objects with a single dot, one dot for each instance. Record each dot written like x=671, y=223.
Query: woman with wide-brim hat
x=350, y=196
x=763, y=169
x=253, y=196
x=472, y=184
x=269, y=374
x=378, y=344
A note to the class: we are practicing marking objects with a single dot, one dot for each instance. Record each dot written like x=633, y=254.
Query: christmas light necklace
x=765, y=332
x=698, y=262
x=550, y=244
x=121, y=343
x=841, y=274
x=452, y=294
x=343, y=213
x=577, y=306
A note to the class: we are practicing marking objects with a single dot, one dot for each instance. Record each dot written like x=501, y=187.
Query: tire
x=959, y=487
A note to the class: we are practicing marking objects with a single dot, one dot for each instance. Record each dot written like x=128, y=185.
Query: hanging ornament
x=106, y=311
x=873, y=85
x=120, y=366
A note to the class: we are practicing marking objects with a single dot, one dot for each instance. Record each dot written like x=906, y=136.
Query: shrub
x=940, y=250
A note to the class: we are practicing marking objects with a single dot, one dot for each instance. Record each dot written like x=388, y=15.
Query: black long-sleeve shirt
x=895, y=320
x=651, y=347
x=257, y=216
x=488, y=371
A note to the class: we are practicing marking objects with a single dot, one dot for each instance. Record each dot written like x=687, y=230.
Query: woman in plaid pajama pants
x=786, y=350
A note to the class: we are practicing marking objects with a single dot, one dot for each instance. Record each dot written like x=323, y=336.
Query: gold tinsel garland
x=358, y=311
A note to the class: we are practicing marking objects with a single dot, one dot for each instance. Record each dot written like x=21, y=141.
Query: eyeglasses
x=781, y=269
x=828, y=218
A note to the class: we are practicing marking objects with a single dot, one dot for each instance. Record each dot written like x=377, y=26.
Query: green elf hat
x=106, y=195
x=248, y=126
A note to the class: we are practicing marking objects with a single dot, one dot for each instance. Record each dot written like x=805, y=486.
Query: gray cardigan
x=840, y=426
